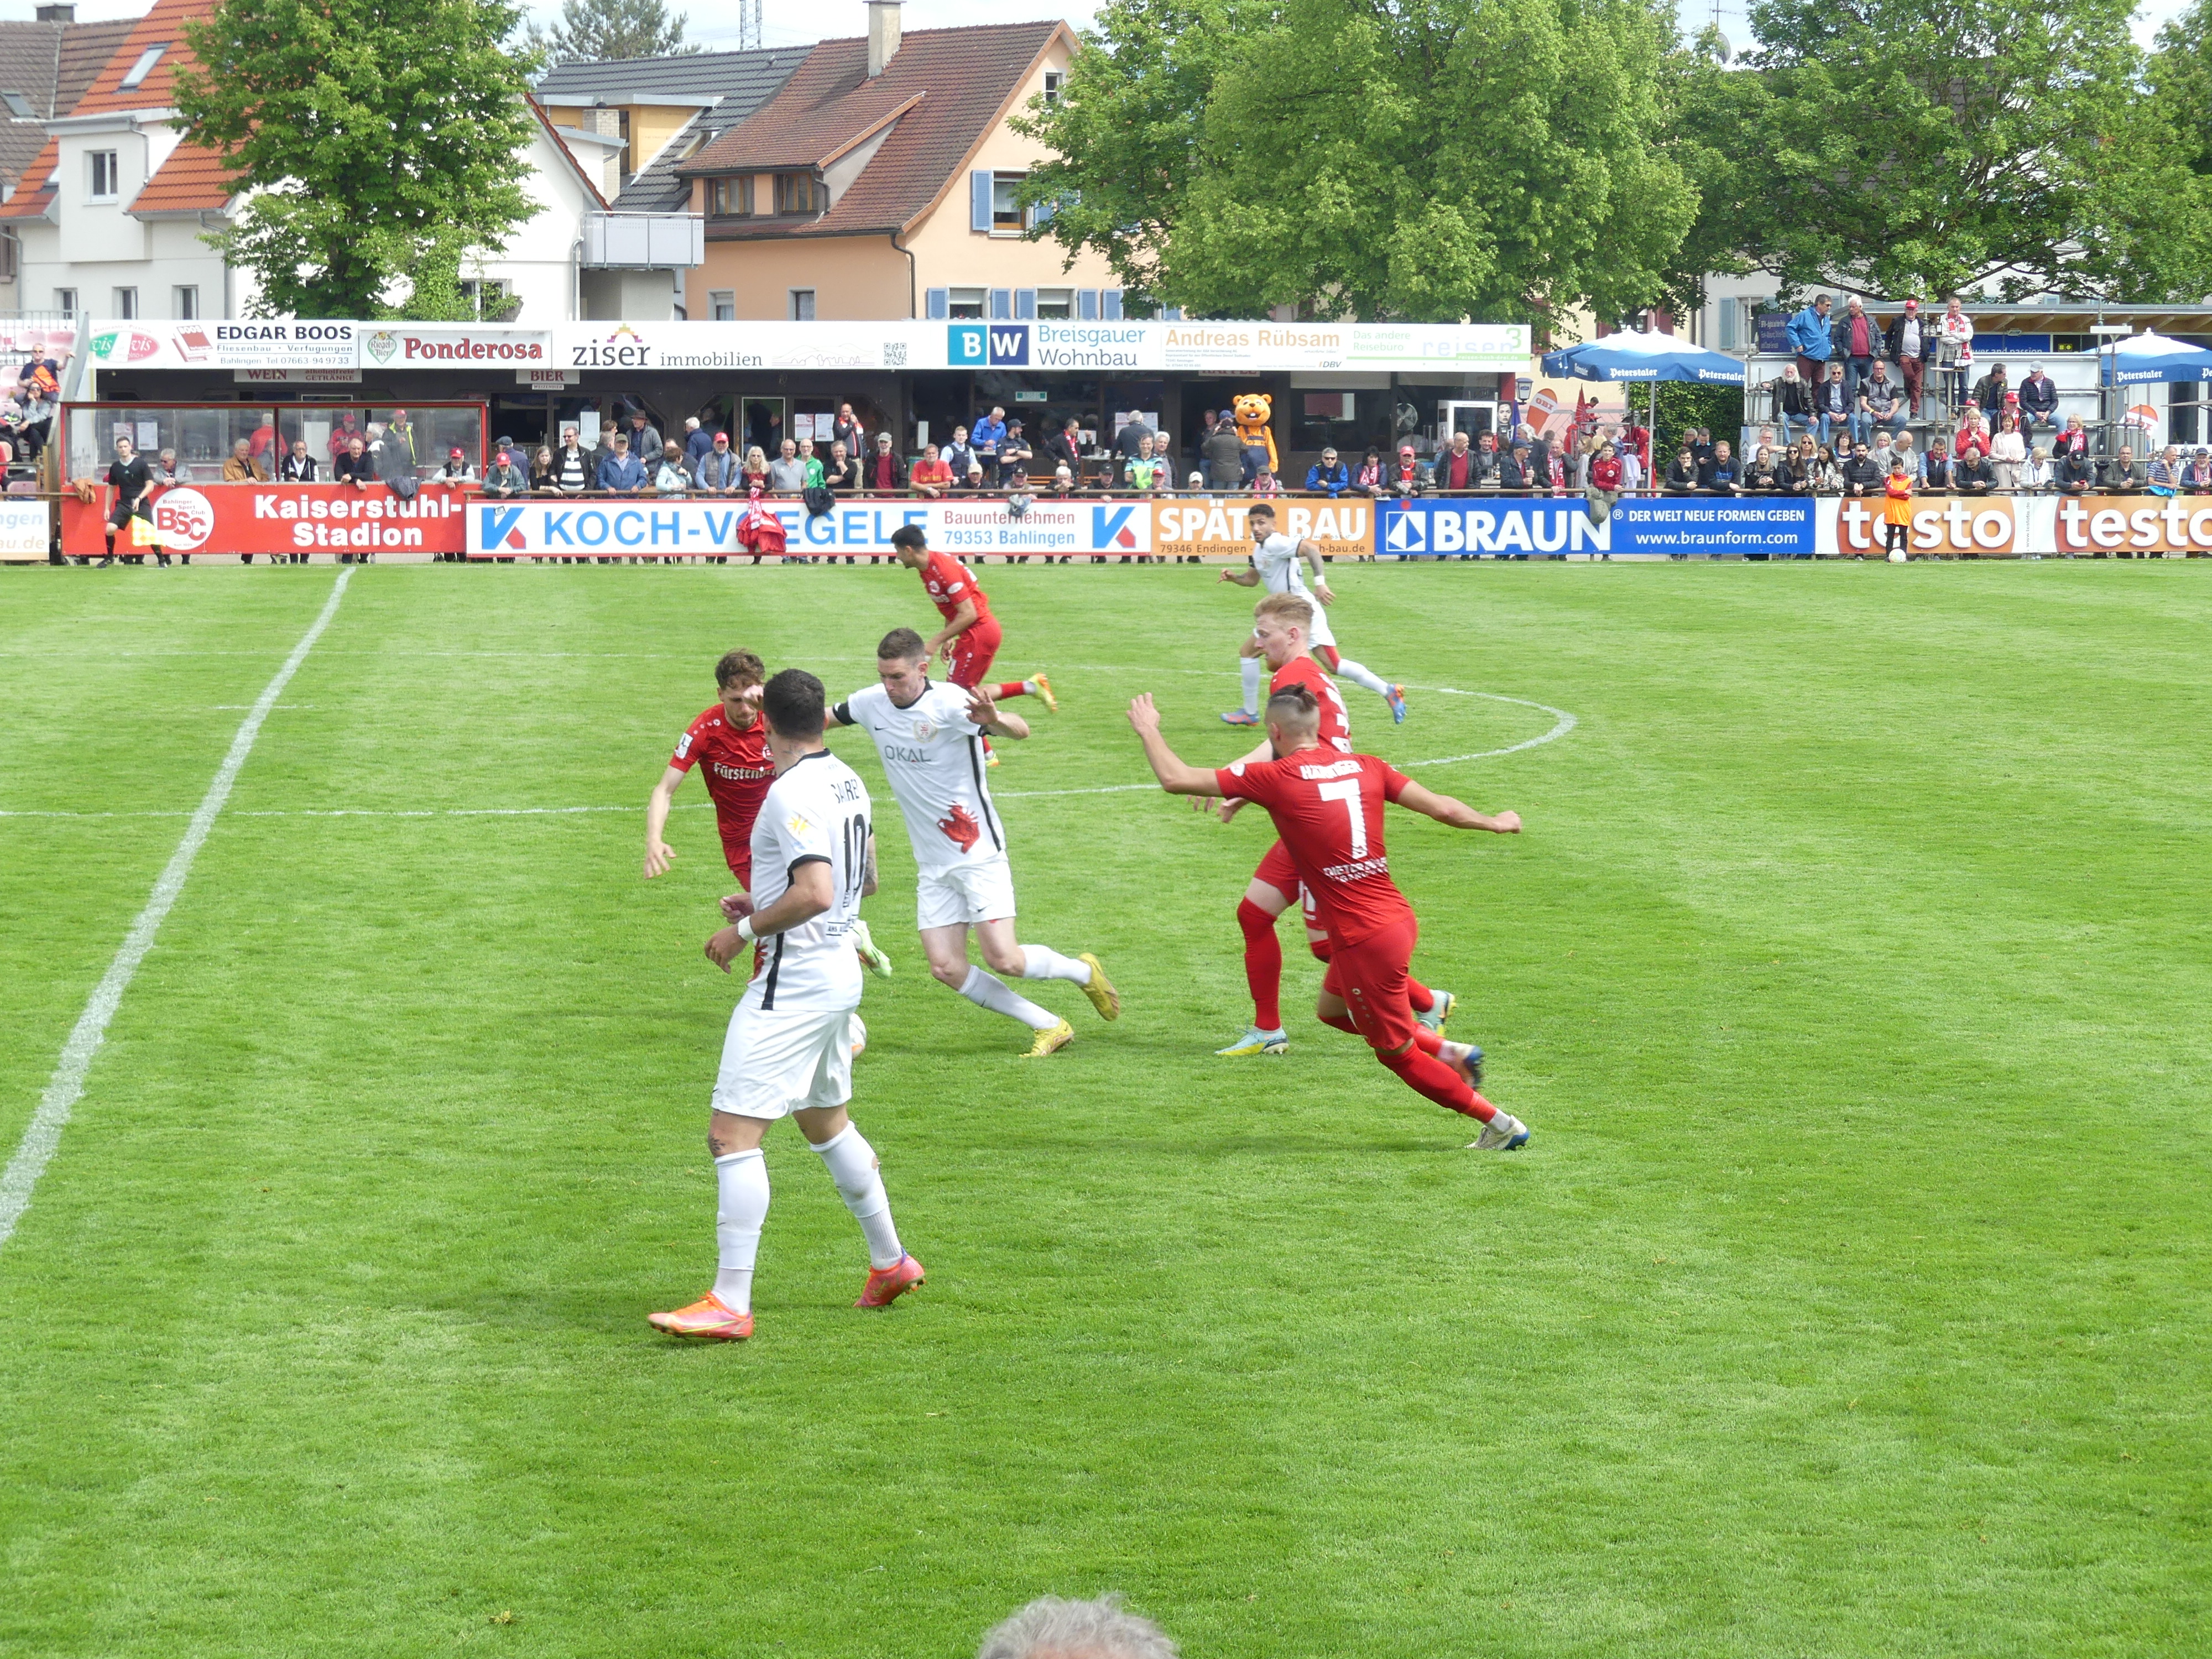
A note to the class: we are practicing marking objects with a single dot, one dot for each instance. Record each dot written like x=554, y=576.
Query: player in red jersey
x=1279, y=627
x=729, y=743
x=1328, y=807
x=970, y=638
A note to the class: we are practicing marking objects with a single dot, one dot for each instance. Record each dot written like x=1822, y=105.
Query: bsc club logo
x=186, y=519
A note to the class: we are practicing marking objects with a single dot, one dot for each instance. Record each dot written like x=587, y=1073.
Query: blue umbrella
x=2145, y=358
x=1636, y=356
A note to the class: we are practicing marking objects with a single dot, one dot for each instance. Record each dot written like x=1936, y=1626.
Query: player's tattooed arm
x=1458, y=814
x=868, y=869
x=1176, y=777
x=659, y=854
x=985, y=712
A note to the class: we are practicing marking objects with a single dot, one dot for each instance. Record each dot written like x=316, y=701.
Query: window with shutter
x=1086, y=305
x=1110, y=304
x=1025, y=304
x=936, y=302
x=979, y=202
x=1002, y=304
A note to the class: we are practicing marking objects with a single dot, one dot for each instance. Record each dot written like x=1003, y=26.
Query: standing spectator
x=1458, y=468
x=1141, y=469
x=456, y=469
x=842, y=475
x=671, y=476
x=1065, y=446
x=2008, y=452
x=971, y=482
x=1224, y=454
x=1936, y=468
x=1858, y=342
x=697, y=440
x=2037, y=474
x=1990, y=391
x=397, y=457
x=1409, y=477
x=1264, y=482
x=1954, y=348
x=2122, y=476
x=989, y=434
x=1632, y=468
x=932, y=477
x=1721, y=474
x=1903, y=450
x=164, y=471
x=755, y=479
x=810, y=465
x=621, y=472
x=1811, y=339
x=1126, y=440
x=718, y=472
x=960, y=454
x=786, y=474
x=353, y=467
x=1015, y=455
x=885, y=473
x=1832, y=402
x=1327, y=475
x=1604, y=489
x=1637, y=439
x=644, y=436
x=506, y=480
x=1793, y=403
x=574, y=468
x=347, y=429
x=2038, y=400
x=846, y=430
x=1910, y=344
x=544, y=473
x=299, y=467
x=1880, y=405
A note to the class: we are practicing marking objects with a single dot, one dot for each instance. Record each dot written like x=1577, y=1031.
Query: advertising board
x=1515, y=526
x=1343, y=529
x=26, y=532
x=282, y=519
x=658, y=527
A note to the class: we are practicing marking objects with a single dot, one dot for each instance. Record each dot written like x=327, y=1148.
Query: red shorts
x=1370, y=976
x=740, y=860
x=972, y=653
x=1279, y=873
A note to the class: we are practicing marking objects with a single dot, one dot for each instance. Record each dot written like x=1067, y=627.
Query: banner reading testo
x=661, y=527
x=1515, y=527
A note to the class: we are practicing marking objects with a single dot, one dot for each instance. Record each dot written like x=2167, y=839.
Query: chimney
x=64, y=13
x=883, y=35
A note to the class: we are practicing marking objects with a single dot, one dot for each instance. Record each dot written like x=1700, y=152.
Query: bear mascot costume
x=1253, y=410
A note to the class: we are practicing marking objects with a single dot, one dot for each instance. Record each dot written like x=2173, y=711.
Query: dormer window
x=730, y=198
x=18, y=106
x=144, y=67
x=800, y=193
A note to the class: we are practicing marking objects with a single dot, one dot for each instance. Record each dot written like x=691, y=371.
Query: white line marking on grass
x=66, y=1087
x=379, y=812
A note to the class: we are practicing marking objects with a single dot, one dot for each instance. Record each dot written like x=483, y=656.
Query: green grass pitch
x=1852, y=1298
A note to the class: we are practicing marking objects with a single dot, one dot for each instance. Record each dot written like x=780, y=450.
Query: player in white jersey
x=789, y=1051
x=1279, y=565
x=930, y=738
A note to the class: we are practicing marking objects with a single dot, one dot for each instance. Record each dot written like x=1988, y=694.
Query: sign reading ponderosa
x=376, y=139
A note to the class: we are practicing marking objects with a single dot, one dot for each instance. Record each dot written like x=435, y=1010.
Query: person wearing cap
x=1015, y=455
x=644, y=437
x=456, y=468
x=717, y=470
x=621, y=473
x=2038, y=400
x=1407, y=476
x=395, y=454
x=1223, y=454
x=669, y=476
x=2196, y=475
x=506, y=477
x=1327, y=475
x=1517, y=468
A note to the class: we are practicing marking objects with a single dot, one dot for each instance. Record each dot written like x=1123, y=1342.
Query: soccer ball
x=1897, y=556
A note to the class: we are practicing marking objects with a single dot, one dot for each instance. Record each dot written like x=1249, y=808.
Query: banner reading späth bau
x=1343, y=529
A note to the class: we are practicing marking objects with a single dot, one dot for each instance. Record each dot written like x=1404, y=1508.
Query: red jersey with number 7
x=947, y=582
x=1328, y=808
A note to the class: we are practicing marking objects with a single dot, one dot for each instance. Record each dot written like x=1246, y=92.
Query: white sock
x=1360, y=674
x=1250, y=665
x=1040, y=961
x=852, y=1164
x=742, y=1178
x=986, y=992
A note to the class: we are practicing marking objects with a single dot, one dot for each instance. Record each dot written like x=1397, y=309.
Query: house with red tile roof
x=880, y=180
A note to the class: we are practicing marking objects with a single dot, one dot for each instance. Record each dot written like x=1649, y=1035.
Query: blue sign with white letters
x=1516, y=528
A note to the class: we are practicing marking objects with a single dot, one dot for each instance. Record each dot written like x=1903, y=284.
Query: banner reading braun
x=1511, y=528
x=661, y=528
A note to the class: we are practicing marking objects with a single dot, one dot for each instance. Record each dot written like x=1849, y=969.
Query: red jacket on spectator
x=1604, y=472
x=1973, y=438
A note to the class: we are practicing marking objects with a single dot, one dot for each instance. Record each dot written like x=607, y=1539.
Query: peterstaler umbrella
x=1631, y=356
x=2145, y=358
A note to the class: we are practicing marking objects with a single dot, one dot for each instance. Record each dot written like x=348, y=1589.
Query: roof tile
x=34, y=192
x=194, y=180
x=164, y=26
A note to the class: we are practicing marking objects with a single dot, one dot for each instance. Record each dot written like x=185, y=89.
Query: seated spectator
x=2037, y=474
x=1935, y=469
x=2163, y=475
x=972, y=483
x=1833, y=404
x=354, y=466
x=2008, y=450
x=1793, y=474
x=2038, y=400
x=299, y=466
x=621, y=472
x=1845, y=450
x=573, y=469
x=1368, y=481
x=164, y=470
x=1063, y=482
x=1903, y=450
x=2073, y=441
x=2075, y=473
x=787, y=473
x=242, y=467
x=1264, y=481
x=1973, y=474
x=1991, y=389
x=2121, y=477
x=1827, y=477
x=1858, y=475
x=842, y=475
x=1973, y=435
x=1758, y=477
x=670, y=476
x=931, y=478
x=1793, y=402
x=506, y=479
x=1682, y=473
x=544, y=473
x=455, y=469
x=885, y=473
x=1881, y=452
x=1409, y=477
x=1720, y=476
x=2194, y=476
x=1603, y=490
x=1459, y=468
x=1328, y=477
x=1882, y=404
x=719, y=471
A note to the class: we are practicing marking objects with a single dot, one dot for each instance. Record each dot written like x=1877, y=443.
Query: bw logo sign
x=988, y=345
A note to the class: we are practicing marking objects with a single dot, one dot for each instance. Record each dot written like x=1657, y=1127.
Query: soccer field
x=1851, y=1298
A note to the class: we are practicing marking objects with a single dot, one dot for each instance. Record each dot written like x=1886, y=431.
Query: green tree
x=376, y=141
x=1428, y=160
x=1901, y=147
x=601, y=30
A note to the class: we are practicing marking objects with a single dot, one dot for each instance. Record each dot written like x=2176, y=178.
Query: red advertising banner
x=283, y=518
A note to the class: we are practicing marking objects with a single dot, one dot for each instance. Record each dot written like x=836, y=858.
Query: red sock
x=1420, y=995
x=1342, y=1022
x=1426, y=1075
x=1010, y=689
x=1426, y=1041
x=1263, y=965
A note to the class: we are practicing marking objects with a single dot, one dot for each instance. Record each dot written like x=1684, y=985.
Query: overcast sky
x=785, y=22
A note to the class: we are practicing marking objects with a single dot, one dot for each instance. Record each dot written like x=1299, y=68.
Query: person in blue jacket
x=1328, y=477
x=621, y=471
x=1811, y=338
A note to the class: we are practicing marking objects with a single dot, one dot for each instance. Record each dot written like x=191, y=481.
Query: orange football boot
x=886, y=1285
x=706, y=1317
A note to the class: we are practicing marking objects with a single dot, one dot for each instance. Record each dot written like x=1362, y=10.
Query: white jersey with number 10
x=817, y=812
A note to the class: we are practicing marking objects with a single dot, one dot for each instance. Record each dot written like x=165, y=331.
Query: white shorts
x=983, y=890
x=780, y=1061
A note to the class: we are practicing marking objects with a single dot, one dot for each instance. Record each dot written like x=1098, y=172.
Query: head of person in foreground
x=797, y=710
x=1280, y=624
x=910, y=546
x=1051, y=1628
